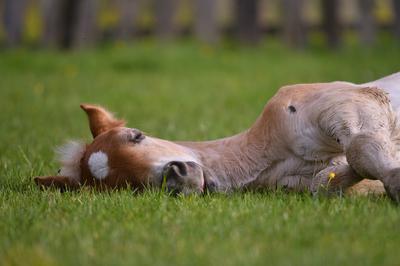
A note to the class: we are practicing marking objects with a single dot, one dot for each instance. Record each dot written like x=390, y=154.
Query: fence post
x=14, y=15
x=367, y=25
x=396, y=10
x=128, y=10
x=294, y=31
x=206, y=26
x=331, y=22
x=52, y=27
x=85, y=30
x=165, y=11
x=247, y=20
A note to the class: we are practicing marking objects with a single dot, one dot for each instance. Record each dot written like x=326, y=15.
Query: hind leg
x=334, y=179
x=373, y=156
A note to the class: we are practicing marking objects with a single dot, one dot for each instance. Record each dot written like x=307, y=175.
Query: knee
x=370, y=155
x=363, y=145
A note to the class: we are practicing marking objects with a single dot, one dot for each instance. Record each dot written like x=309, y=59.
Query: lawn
x=179, y=91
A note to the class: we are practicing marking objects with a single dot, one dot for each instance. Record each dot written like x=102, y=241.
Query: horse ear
x=100, y=120
x=60, y=182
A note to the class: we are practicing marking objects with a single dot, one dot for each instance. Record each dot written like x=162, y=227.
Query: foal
x=308, y=137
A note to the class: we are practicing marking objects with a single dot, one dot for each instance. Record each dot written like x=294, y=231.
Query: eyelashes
x=135, y=136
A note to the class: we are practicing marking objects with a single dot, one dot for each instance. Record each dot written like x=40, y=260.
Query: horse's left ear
x=60, y=182
x=100, y=120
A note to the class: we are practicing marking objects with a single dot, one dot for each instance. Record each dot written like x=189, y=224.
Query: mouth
x=210, y=184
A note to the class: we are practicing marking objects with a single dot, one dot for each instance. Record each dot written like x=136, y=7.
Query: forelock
x=69, y=155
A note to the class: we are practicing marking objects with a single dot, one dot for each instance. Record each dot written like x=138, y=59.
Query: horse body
x=308, y=137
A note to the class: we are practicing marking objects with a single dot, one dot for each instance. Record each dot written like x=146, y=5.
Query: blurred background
x=74, y=24
x=180, y=70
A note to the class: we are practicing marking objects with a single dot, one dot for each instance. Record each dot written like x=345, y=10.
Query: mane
x=69, y=155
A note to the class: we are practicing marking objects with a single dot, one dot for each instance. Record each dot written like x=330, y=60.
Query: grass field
x=181, y=91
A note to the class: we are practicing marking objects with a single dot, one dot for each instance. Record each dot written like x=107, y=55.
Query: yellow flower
x=331, y=176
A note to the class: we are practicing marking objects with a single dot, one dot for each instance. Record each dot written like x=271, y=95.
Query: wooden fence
x=82, y=23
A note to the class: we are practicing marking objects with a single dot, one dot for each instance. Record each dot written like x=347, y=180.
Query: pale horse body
x=301, y=140
x=309, y=137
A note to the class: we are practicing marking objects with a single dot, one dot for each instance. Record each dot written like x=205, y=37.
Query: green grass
x=181, y=91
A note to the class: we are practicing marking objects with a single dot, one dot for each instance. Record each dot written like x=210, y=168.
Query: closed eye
x=136, y=136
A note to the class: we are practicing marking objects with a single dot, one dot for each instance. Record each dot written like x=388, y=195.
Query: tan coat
x=320, y=137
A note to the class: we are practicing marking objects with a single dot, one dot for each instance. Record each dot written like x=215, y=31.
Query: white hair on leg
x=98, y=165
x=69, y=155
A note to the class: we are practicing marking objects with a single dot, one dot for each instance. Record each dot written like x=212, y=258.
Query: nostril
x=179, y=168
x=191, y=164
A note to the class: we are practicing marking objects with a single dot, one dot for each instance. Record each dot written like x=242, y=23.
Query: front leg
x=290, y=183
x=372, y=156
x=294, y=183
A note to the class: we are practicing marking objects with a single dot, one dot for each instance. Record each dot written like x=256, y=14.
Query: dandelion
x=331, y=176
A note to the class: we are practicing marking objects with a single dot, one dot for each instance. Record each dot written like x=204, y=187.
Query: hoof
x=392, y=185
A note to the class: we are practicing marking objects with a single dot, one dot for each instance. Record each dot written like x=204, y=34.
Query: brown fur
x=100, y=120
x=60, y=182
x=123, y=172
